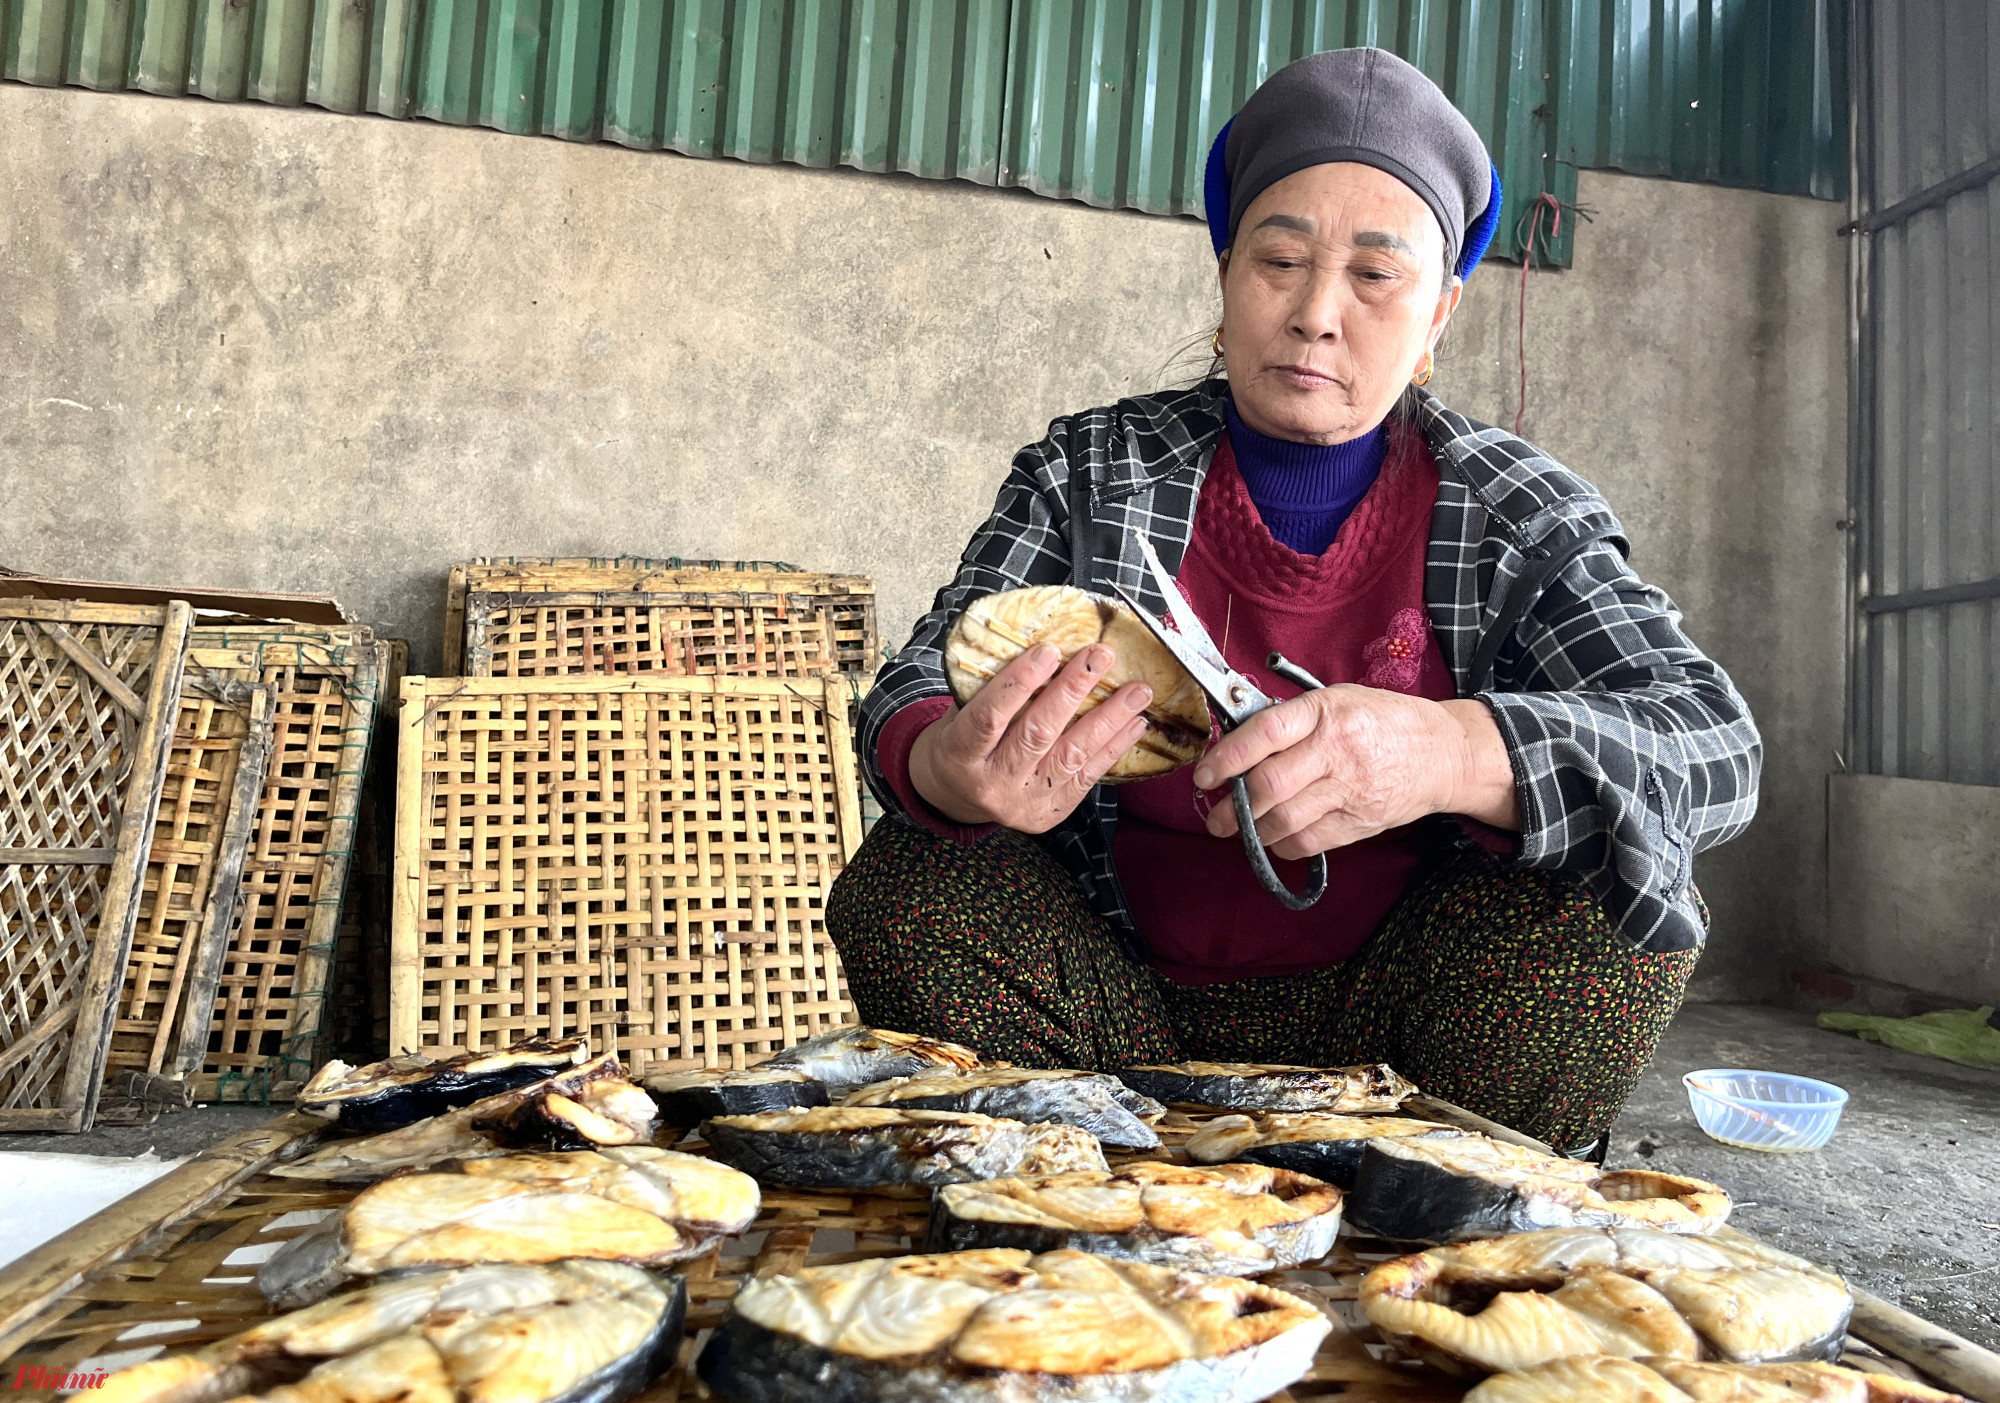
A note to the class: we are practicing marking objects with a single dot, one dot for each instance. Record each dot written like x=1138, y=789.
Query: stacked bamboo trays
x=173, y=1267
x=215, y=915
x=641, y=858
x=540, y=616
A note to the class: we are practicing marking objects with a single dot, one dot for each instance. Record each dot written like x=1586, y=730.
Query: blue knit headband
x=1215, y=205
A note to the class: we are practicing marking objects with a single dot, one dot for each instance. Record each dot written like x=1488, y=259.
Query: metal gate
x=1924, y=425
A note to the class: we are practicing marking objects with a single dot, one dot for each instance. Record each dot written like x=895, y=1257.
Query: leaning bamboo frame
x=673, y=982
x=348, y=659
x=161, y=1009
x=155, y=1256
x=87, y=1018
x=545, y=574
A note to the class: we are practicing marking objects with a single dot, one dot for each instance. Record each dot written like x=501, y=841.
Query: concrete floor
x=1905, y=1200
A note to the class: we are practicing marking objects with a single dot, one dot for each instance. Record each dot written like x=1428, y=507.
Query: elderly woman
x=1517, y=756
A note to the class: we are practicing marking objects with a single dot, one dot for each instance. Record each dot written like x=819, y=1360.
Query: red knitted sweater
x=1354, y=614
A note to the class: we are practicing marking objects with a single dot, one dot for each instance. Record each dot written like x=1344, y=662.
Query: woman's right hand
x=1025, y=761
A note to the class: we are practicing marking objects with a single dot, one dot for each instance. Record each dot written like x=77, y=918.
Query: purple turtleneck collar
x=1305, y=492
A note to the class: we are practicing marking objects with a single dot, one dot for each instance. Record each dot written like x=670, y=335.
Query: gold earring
x=1423, y=377
x=1215, y=343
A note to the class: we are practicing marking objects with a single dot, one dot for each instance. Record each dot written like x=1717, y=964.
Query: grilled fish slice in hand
x=848, y=1059
x=1452, y=1189
x=1092, y=1101
x=860, y=1147
x=403, y=1090
x=1239, y=1220
x=1005, y=1327
x=1513, y=1303
x=1259, y=1086
x=569, y=1332
x=635, y=1204
x=1327, y=1147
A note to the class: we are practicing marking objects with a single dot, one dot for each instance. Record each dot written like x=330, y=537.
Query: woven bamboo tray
x=174, y=1265
x=87, y=700
x=271, y=987
x=596, y=628
x=640, y=858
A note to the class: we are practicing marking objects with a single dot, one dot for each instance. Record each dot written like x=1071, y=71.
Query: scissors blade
x=1183, y=618
x=1231, y=693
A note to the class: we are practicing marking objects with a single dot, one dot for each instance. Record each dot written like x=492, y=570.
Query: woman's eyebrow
x=1288, y=221
x=1373, y=238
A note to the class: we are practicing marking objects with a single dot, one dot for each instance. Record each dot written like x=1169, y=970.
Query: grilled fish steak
x=568, y=1332
x=1449, y=1190
x=1257, y=1086
x=998, y=628
x=1238, y=1220
x=860, y=1147
x=1513, y=1303
x=1092, y=1101
x=402, y=1090
x=1327, y=1147
x=588, y=1105
x=1610, y=1380
x=634, y=1204
x=689, y=1098
x=848, y=1059
x=1007, y=1327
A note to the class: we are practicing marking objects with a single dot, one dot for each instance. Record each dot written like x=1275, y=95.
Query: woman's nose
x=1316, y=316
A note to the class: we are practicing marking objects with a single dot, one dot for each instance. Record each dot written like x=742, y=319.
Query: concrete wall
x=1915, y=895
x=281, y=349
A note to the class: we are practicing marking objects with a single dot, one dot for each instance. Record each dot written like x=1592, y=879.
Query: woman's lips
x=1304, y=377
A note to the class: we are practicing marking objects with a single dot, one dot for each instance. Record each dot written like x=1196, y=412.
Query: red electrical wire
x=1544, y=203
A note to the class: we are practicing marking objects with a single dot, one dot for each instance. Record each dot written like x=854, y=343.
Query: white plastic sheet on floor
x=41, y=1194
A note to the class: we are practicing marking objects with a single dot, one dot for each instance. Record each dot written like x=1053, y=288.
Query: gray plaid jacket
x=1632, y=751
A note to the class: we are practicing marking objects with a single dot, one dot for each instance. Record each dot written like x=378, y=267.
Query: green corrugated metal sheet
x=1115, y=102
x=1736, y=92
x=1112, y=102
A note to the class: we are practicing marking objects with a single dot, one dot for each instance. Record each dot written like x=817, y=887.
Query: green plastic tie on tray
x=1955, y=1034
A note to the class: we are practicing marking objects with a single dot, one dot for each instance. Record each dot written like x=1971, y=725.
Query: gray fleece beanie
x=1367, y=106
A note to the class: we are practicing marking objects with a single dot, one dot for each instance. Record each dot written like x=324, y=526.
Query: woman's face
x=1331, y=294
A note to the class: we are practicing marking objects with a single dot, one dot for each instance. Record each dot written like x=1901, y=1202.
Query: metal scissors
x=1237, y=699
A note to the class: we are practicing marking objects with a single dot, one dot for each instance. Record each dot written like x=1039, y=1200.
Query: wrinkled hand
x=1332, y=767
x=1025, y=761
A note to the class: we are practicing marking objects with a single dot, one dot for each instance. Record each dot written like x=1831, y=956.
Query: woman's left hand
x=1332, y=767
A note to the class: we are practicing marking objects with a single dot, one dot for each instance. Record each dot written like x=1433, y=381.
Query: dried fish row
x=688, y=1098
x=400, y=1091
x=863, y=1147
x=847, y=1059
x=1269, y=1087
x=1607, y=1379
x=1327, y=1147
x=1091, y=1101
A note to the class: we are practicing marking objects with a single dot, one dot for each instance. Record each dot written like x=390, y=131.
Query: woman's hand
x=1332, y=767
x=1025, y=761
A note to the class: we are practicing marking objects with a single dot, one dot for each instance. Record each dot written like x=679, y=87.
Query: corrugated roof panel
x=219, y=62
x=1732, y=92
x=163, y=33
x=1115, y=102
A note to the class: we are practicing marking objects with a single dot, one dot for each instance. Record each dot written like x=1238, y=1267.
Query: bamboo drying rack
x=158, y=1263
x=638, y=857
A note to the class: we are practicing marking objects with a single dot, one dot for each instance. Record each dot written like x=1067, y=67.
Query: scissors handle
x=1260, y=861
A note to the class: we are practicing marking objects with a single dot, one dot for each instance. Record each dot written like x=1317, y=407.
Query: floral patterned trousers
x=1501, y=989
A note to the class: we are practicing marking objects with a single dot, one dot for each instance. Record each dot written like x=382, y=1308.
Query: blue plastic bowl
x=1772, y=1111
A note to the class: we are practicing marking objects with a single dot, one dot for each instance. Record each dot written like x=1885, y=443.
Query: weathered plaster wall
x=281, y=349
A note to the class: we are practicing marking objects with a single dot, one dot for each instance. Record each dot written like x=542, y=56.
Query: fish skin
x=1318, y=1144
x=686, y=1099
x=1256, y=1086
x=402, y=1090
x=1162, y=1336
x=1800, y=1313
x=836, y=1147
x=848, y=1059
x=1455, y=1189
x=1083, y=1099
x=1606, y=1380
x=1303, y=1231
